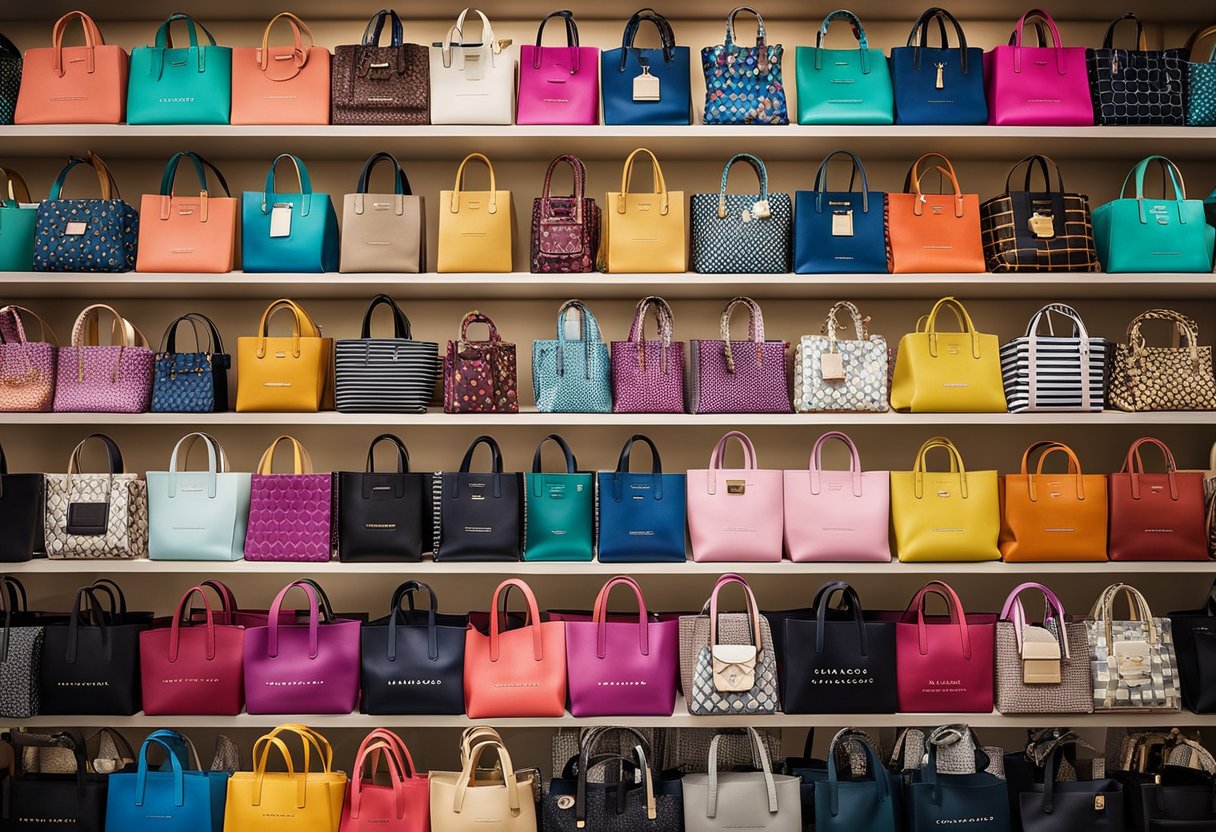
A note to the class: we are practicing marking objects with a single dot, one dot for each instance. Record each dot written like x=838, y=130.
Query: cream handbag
x=472, y=81
x=474, y=226
x=383, y=232
x=474, y=800
x=96, y=515
x=948, y=372
x=644, y=232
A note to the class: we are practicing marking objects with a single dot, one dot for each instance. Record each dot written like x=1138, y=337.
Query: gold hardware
x=736, y=486
x=941, y=82
x=1099, y=803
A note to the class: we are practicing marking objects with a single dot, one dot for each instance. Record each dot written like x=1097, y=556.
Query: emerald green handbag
x=559, y=510
x=180, y=85
x=843, y=86
x=17, y=215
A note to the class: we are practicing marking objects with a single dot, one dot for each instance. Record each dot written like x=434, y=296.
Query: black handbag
x=383, y=517
x=1176, y=798
x=479, y=514
x=1053, y=806
x=191, y=382
x=1028, y=766
x=385, y=375
x=935, y=799
x=1137, y=86
x=73, y=802
x=1195, y=646
x=22, y=500
x=413, y=662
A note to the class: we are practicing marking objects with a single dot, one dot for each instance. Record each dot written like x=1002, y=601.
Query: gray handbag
x=1133, y=661
x=1038, y=670
x=20, y=663
x=742, y=233
x=736, y=800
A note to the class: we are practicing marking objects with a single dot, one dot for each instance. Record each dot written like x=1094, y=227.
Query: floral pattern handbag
x=480, y=376
x=565, y=229
x=743, y=83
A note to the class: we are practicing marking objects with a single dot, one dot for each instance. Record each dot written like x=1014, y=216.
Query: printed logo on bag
x=413, y=682
x=380, y=526
x=478, y=529
x=295, y=683
x=842, y=676
x=189, y=100
x=98, y=684
x=46, y=820
x=953, y=821
x=191, y=680
x=517, y=684
x=638, y=683
x=641, y=533
x=944, y=686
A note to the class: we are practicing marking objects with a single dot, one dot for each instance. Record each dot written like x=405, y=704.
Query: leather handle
x=492, y=206
x=401, y=323
x=403, y=454
x=660, y=183
x=272, y=641
x=666, y=34
x=18, y=191
x=271, y=187
x=958, y=615
x=622, y=465
x=1108, y=39
x=761, y=752
x=859, y=32
x=401, y=183
x=533, y=618
x=599, y=615
x=571, y=462
x=815, y=465
x=495, y=454
x=921, y=27
x=302, y=463
x=752, y=607
x=821, y=179
x=762, y=62
x=853, y=602
x=299, y=50
x=92, y=39
x=109, y=190
x=375, y=29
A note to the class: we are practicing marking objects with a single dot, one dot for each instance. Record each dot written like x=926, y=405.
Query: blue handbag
x=17, y=215
x=191, y=382
x=936, y=799
x=743, y=83
x=572, y=375
x=85, y=235
x=941, y=85
x=289, y=232
x=641, y=515
x=172, y=797
x=180, y=85
x=646, y=86
x=840, y=232
x=746, y=233
x=870, y=803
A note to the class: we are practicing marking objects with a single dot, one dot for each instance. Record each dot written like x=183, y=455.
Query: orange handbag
x=187, y=233
x=74, y=84
x=929, y=233
x=281, y=84
x=1053, y=517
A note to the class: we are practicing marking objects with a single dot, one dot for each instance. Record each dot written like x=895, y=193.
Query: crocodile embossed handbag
x=1137, y=86
x=565, y=229
x=289, y=514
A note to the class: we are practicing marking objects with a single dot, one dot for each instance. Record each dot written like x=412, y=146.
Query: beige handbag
x=474, y=226
x=1041, y=669
x=469, y=801
x=755, y=800
x=1177, y=377
x=644, y=232
x=96, y=515
x=383, y=232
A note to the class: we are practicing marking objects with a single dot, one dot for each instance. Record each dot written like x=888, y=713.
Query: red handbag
x=1156, y=516
x=403, y=804
x=944, y=663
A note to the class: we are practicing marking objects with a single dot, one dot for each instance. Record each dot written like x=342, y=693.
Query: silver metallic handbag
x=838, y=375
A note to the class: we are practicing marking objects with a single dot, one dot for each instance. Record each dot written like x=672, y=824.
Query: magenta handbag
x=944, y=663
x=648, y=376
x=289, y=514
x=839, y=516
x=27, y=368
x=740, y=376
x=734, y=514
x=304, y=668
x=96, y=378
x=559, y=84
x=622, y=666
x=1041, y=85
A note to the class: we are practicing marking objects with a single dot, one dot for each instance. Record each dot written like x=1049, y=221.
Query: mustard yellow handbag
x=948, y=515
x=644, y=233
x=285, y=374
x=474, y=226
x=310, y=801
x=948, y=372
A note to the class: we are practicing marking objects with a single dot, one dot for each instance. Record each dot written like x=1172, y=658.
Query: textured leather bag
x=374, y=84
x=473, y=81
x=96, y=515
x=10, y=78
x=479, y=513
x=743, y=83
x=480, y=376
x=1201, y=79
x=645, y=530
x=85, y=235
x=281, y=84
x=257, y=800
x=289, y=514
x=96, y=378
x=1038, y=86
x=286, y=232
x=187, y=233
x=74, y=800
x=569, y=375
x=734, y=514
x=843, y=86
x=739, y=376
x=1156, y=516
x=559, y=516
x=929, y=233
x=22, y=509
x=500, y=799
x=867, y=803
x=945, y=515
x=945, y=664
x=404, y=803
x=383, y=517
x=719, y=801
x=840, y=232
x=648, y=376
x=840, y=374
x=385, y=375
x=180, y=85
x=73, y=84
x=191, y=382
x=18, y=215
x=197, y=515
x=1133, y=661
x=383, y=232
x=188, y=797
x=943, y=85
x=280, y=374
x=646, y=85
x=1041, y=669
x=742, y=233
x=948, y=372
x=1057, y=805
x=21, y=660
x=1137, y=86
x=565, y=229
x=1052, y=373
x=1177, y=377
x=559, y=84
x=1195, y=648
x=1053, y=517
x=27, y=368
x=644, y=232
x=475, y=227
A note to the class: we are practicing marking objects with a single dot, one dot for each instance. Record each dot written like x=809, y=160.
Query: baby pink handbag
x=734, y=514
x=1038, y=85
x=27, y=368
x=92, y=377
x=559, y=84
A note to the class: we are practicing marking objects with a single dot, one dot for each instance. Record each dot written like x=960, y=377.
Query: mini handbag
x=945, y=665
x=843, y=86
x=499, y=799
x=742, y=233
x=96, y=515
x=21, y=660
x=22, y=511
x=280, y=374
x=1053, y=517
x=475, y=227
x=718, y=497
x=569, y=375
x=180, y=85
x=646, y=85
x=258, y=799
x=574, y=67
x=383, y=232
x=289, y=514
x=565, y=229
x=383, y=517
x=85, y=235
x=1137, y=86
x=285, y=232
x=281, y=84
x=836, y=374
x=385, y=375
x=374, y=84
x=840, y=232
x=1052, y=373
x=18, y=216
x=478, y=514
x=197, y=515
x=404, y=802
x=27, y=368
x=94, y=378
x=186, y=233
x=559, y=510
x=739, y=376
x=1201, y=79
x=1017, y=76
x=1133, y=661
x=10, y=78
x=724, y=800
x=941, y=85
x=191, y=382
x=480, y=376
x=1145, y=378
x=1156, y=517
x=73, y=84
x=648, y=376
x=948, y=372
x=1041, y=669
x=188, y=797
x=945, y=238
x=473, y=81
x=737, y=93
x=637, y=238
x=641, y=516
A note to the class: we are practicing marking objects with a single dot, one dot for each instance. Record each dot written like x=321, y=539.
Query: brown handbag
x=929, y=233
x=480, y=376
x=1053, y=517
x=565, y=229
x=1177, y=377
x=375, y=84
x=1156, y=516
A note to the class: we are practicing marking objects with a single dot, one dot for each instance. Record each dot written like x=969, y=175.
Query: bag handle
x=586, y=761
x=401, y=183
x=755, y=330
x=1049, y=448
x=468, y=775
x=1015, y=613
x=490, y=47
x=272, y=642
x=164, y=42
x=92, y=39
x=495, y=454
x=109, y=187
x=1192, y=43
x=816, y=462
x=717, y=459
x=85, y=332
x=572, y=43
x=31, y=372
x=761, y=174
x=859, y=33
x=665, y=320
x=753, y=609
x=299, y=52
x=1186, y=331
x=921, y=26
x=215, y=345
x=821, y=179
x=113, y=455
x=600, y=615
x=8, y=46
x=853, y=603
x=476, y=317
x=762, y=62
x=217, y=461
x=406, y=591
x=1170, y=173
x=831, y=327
x=301, y=461
x=1134, y=465
x=375, y=28
x=1045, y=164
x=454, y=204
x=915, y=175
x=571, y=462
x=711, y=808
x=403, y=454
x=301, y=326
x=622, y=467
x=958, y=615
x=548, y=211
x=87, y=606
x=372, y=748
x=660, y=183
x=964, y=320
x=271, y=188
x=1108, y=39
x=401, y=324
x=532, y=620
x=589, y=330
x=1138, y=610
x=175, y=766
x=874, y=766
x=667, y=36
x=956, y=465
x=1079, y=329
x=1016, y=39
x=18, y=191
x=184, y=611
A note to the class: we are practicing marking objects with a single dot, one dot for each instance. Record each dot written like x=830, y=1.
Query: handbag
x=758, y=800
x=96, y=515
x=1156, y=517
x=737, y=93
x=27, y=368
x=1195, y=649
x=958, y=751
x=285, y=232
x=515, y=672
x=739, y=376
x=1018, y=75
x=480, y=376
x=22, y=509
x=948, y=516
x=85, y=235
x=849, y=802
x=565, y=229
x=850, y=236
x=10, y=78
x=257, y=800
x=94, y=378
x=473, y=81
x=383, y=232
x=475, y=227
x=479, y=513
x=648, y=376
x=946, y=238
x=641, y=516
x=404, y=803
x=836, y=374
x=18, y=213
x=374, y=84
x=1041, y=669
x=385, y=375
x=570, y=375
x=1136, y=86
x=719, y=497
x=496, y=800
x=1053, y=517
x=944, y=664
x=1133, y=660
x=646, y=85
x=559, y=510
x=197, y=515
x=191, y=382
x=1201, y=80
x=1053, y=373
x=289, y=514
x=188, y=798
x=1178, y=377
x=943, y=85
x=383, y=517
x=180, y=85
x=741, y=233
x=1055, y=805
x=21, y=662
x=948, y=372
x=574, y=67
x=1175, y=797
x=843, y=86
x=936, y=798
x=73, y=801
x=281, y=84
x=637, y=238
x=73, y=84
x=277, y=374
x=188, y=234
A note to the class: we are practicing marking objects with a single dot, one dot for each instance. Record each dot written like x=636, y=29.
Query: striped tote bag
x=1055, y=372
x=385, y=375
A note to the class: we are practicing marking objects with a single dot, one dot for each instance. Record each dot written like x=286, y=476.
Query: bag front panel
x=1016, y=91
x=1138, y=87
x=739, y=519
x=17, y=234
x=583, y=386
x=1162, y=378
x=1073, y=694
x=624, y=682
x=22, y=513
x=737, y=92
x=953, y=381
x=560, y=245
x=182, y=242
x=167, y=86
x=517, y=684
x=559, y=517
x=742, y=801
x=413, y=683
x=10, y=85
x=293, y=682
x=193, y=526
x=1146, y=679
x=19, y=673
x=741, y=242
x=759, y=382
x=944, y=525
x=1155, y=526
x=27, y=376
x=641, y=239
x=280, y=381
x=842, y=679
x=621, y=106
x=114, y=379
x=102, y=679
x=183, y=382
x=310, y=245
x=192, y=683
x=85, y=235
x=1057, y=525
x=58, y=803
x=75, y=96
x=380, y=240
x=646, y=530
x=843, y=238
x=126, y=532
x=918, y=100
x=1057, y=374
x=480, y=93
x=475, y=525
x=864, y=386
x=385, y=375
x=480, y=377
x=279, y=795
x=472, y=238
x=654, y=384
x=1201, y=98
x=937, y=240
x=1011, y=245
x=841, y=92
x=943, y=679
x=835, y=524
x=375, y=525
x=289, y=517
x=558, y=87
x=300, y=97
x=381, y=85
x=1173, y=237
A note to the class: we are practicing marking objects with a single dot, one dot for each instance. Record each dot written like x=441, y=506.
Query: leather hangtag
x=645, y=86
x=280, y=220
x=88, y=519
x=831, y=365
x=734, y=667
x=842, y=223
x=1040, y=657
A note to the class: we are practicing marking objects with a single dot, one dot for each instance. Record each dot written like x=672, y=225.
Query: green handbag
x=843, y=86
x=180, y=85
x=1153, y=235
x=17, y=215
x=559, y=510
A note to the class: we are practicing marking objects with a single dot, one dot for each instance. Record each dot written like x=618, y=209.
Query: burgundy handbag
x=1156, y=516
x=27, y=368
x=648, y=376
x=565, y=229
x=944, y=663
x=480, y=376
x=289, y=514
x=740, y=376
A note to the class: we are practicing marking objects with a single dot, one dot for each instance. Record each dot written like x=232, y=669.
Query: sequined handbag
x=565, y=229
x=838, y=375
x=191, y=382
x=480, y=376
x=743, y=83
x=1145, y=378
x=739, y=376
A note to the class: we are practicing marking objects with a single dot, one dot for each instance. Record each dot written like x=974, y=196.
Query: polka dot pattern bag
x=85, y=235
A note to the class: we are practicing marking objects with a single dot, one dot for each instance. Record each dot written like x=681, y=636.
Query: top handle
x=403, y=454
x=1108, y=39
x=495, y=455
x=375, y=28
x=755, y=330
x=492, y=207
x=761, y=209
x=572, y=42
x=922, y=26
x=821, y=179
x=579, y=171
x=816, y=461
x=660, y=183
x=859, y=33
x=571, y=462
x=401, y=323
x=305, y=181
x=761, y=36
x=666, y=35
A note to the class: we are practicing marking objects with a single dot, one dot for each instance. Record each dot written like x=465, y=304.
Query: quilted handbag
x=27, y=368
x=1133, y=661
x=472, y=81
x=10, y=78
x=188, y=233
x=480, y=376
x=742, y=233
x=281, y=84
x=570, y=375
x=18, y=214
x=85, y=235
x=281, y=374
x=1144, y=378
x=289, y=514
x=374, y=84
x=559, y=509
x=1048, y=517
x=475, y=227
x=1018, y=75
x=94, y=378
x=285, y=232
x=190, y=666
x=944, y=238
x=840, y=232
x=383, y=232
x=637, y=238
x=648, y=376
x=189, y=798
x=383, y=516
x=942, y=85
x=385, y=375
x=948, y=372
x=1041, y=669
x=96, y=515
x=944, y=663
x=1066, y=372
x=565, y=229
x=1201, y=79
x=1156, y=517
x=739, y=376
x=183, y=84
x=191, y=382
x=646, y=85
x=1137, y=86
x=574, y=67
x=843, y=86
x=404, y=803
x=22, y=512
x=73, y=84
x=197, y=515
x=841, y=374
x=641, y=516
x=743, y=83
x=478, y=514
x=718, y=496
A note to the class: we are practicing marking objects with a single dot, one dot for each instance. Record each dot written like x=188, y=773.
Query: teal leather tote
x=858, y=804
x=1142, y=234
x=289, y=232
x=17, y=215
x=843, y=86
x=560, y=510
x=180, y=85
x=197, y=515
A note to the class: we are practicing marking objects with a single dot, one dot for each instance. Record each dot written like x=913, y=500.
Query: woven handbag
x=648, y=376
x=1145, y=378
x=10, y=79
x=85, y=235
x=480, y=376
x=1133, y=661
x=374, y=84
x=385, y=375
x=572, y=375
x=840, y=375
x=742, y=233
x=20, y=663
x=91, y=377
x=743, y=83
x=1055, y=372
x=1041, y=669
x=1201, y=78
x=96, y=515
x=1137, y=86
x=289, y=514
x=739, y=376
x=191, y=382
x=27, y=368
x=565, y=229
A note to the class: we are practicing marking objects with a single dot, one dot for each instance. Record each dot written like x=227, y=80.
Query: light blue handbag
x=173, y=797
x=289, y=232
x=197, y=515
x=572, y=375
x=180, y=85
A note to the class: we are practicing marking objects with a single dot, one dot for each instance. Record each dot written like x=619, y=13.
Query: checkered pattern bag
x=1137, y=86
x=1133, y=661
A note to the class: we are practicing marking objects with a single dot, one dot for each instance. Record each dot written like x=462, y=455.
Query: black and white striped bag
x=385, y=375
x=1055, y=372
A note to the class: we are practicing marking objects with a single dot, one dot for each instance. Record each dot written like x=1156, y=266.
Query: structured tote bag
x=943, y=85
x=22, y=511
x=1017, y=77
x=91, y=377
x=475, y=227
x=1052, y=373
x=565, y=229
x=743, y=83
x=385, y=375
x=1178, y=377
x=841, y=374
x=742, y=233
x=280, y=374
x=739, y=376
x=21, y=661
x=383, y=232
x=27, y=368
x=18, y=216
x=570, y=375
x=479, y=513
x=868, y=803
x=472, y=81
x=1157, y=516
x=183, y=84
x=257, y=800
x=197, y=515
x=1195, y=649
x=85, y=235
x=187, y=233
x=73, y=84
x=480, y=376
x=1137, y=86
x=559, y=509
x=646, y=85
x=648, y=376
x=843, y=86
x=573, y=67
x=289, y=514
x=383, y=517
x=499, y=799
x=641, y=516
x=10, y=78
x=1053, y=517
x=403, y=803
x=1201, y=79
x=1054, y=804
x=948, y=372
x=281, y=84
x=719, y=496
x=644, y=232
x=374, y=84
x=190, y=798
x=1133, y=660
x=840, y=232
x=1041, y=669
x=719, y=801
x=928, y=233
x=945, y=663
x=936, y=797
x=285, y=232
x=73, y=799
x=191, y=382
x=945, y=515
x=96, y=515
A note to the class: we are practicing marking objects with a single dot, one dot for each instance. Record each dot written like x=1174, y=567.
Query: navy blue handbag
x=191, y=382
x=840, y=232
x=641, y=515
x=646, y=86
x=85, y=235
x=934, y=799
x=938, y=85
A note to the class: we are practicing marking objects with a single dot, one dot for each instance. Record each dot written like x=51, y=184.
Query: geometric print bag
x=1133, y=660
x=838, y=375
x=1137, y=86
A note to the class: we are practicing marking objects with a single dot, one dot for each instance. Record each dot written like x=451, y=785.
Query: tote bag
x=1041, y=669
x=404, y=803
x=719, y=497
x=473, y=81
x=842, y=374
x=1156, y=516
x=85, y=235
x=280, y=374
x=18, y=214
x=948, y=372
x=1195, y=649
x=1053, y=517
x=758, y=800
x=385, y=375
x=479, y=513
x=281, y=84
x=475, y=227
x=91, y=377
x=1133, y=661
x=186, y=233
x=188, y=798
x=383, y=232
x=1054, y=803
x=1201, y=79
x=645, y=530
x=197, y=515
x=735, y=93
x=285, y=232
x=928, y=233
x=648, y=376
x=741, y=233
x=843, y=86
x=21, y=661
x=644, y=232
x=191, y=382
x=1018, y=76
x=559, y=509
x=180, y=85
x=499, y=799
x=374, y=84
x=739, y=376
x=27, y=368
x=646, y=85
x=1137, y=86
x=1055, y=372
x=856, y=804
x=73, y=84
x=1175, y=377
x=840, y=232
x=480, y=376
x=96, y=515
x=565, y=236
x=383, y=517
x=945, y=664
x=570, y=375
x=943, y=85
x=574, y=67
x=22, y=511
x=73, y=800
x=257, y=800
x=289, y=514
x=936, y=797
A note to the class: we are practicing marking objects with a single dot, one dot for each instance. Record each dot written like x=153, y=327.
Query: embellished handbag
x=1137, y=86
x=383, y=517
x=1156, y=517
x=27, y=368
x=1201, y=79
x=96, y=515
x=472, y=81
x=737, y=93
x=281, y=84
x=197, y=515
x=1052, y=372
x=1146, y=378
x=1041, y=669
x=948, y=372
x=840, y=232
x=641, y=516
x=383, y=232
x=91, y=377
x=559, y=510
x=478, y=514
x=285, y=232
x=1018, y=75
x=574, y=67
x=289, y=514
x=374, y=84
x=385, y=375
x=944, y=238
x=570, y=375
x=637, y=238
x=285, y=374
x=73, y=84
x=646, y=85
x=180, y=85
x=565, y=229
x=475, y=227
x=741, y=233
x=843, y=86
x=842, y=375
x=480, y=376
x=191, y=382
x=187, y=233
x=719, y=496
x=10, y=78
x=1048, y=517
x=942, y=85
x=18, y=216
x=739, y=376
x=648, y=376
x=85, y=235
x=1133, y=660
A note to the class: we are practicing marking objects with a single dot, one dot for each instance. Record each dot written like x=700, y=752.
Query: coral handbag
x=285, y=374
x=559, y=84
x=187, y=233
x=92, y=377
x=289, y=232
x=18, y=213
x=948, y=372
x=260, y=800
x=289, y=514
x=734, y=514
x=929, y=233
x=743, y=83
x=646, y=85
x=74, y=84
x=404, y=804
x=1156, y=516
x=473, y=81
x=475, y=227
x=281, y=84
x=739, y=376
x=1033, y=86
x=27, y=368
x=944, y=664
x=85, y=235
x=648, y=376
x=180, y=85
x=1053, y=517
x=843, y=86
x=644, y=232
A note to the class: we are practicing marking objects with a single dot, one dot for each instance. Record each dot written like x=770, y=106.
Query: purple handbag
x=27, y=368
x=289, y=514
x=625, y=668
x=740, y=376
x=648, y=376
x=302, y=668
x=96, y=378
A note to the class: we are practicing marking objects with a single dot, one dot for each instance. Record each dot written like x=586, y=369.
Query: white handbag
x=472, y=81
x=834, y=375
x=96, y=515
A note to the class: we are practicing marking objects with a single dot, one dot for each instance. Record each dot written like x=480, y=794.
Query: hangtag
x=1040, y=657
x=645, y=86
x=761, y=209
x=1042, y=226
x=831, y=366
x=842, y=223
x=734, y=667
x=280, y=220
x=1134, y=663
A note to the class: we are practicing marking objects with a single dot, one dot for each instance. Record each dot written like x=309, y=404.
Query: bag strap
x=815, y=464
x=495, y=454
x=403, y=454
x=874, y=765
x=7, y=46
x=956, y=465
x=314, y=618
x=302, y=326
x=1042, y=163
x=1138, y=610
x=406, y=591
x=660, y=183
x=622, y=465
x=752, y=607
x=548, y=210
x=109, y=188
x=1170, y=174
x=965, y=324
x=301, y=462
x=589, y=331
x=762, y=62
x=665, y=320
x=468, y=776
x=859, y=33
x=761, y=174
x=821, y=179
x=16, y=313
x=375, y=28
x=489, y=46
x=92, y=39
x=958, y=615
x=922, y=26
x=1049, y=448
x=853, y=603
x=217, y=461
x=915, y=176
x=711, y=809
x=299, y=53
x=113, y=455
x=1109, y=38
x=830, y=326
x=401, y=324
x=717, y=458
x=533, y=618
x=571, y=462
x=18, y=191
x=667, y=37
x=1134, y=465
x=599, y=615
x=755, y=330
x=476, y=317
x=215, y=345
x=401, y=184
x=454, y=205
x=1192, y=43
x=1014, y=612
x=164, y=42
x=271, y=188
x=1016, y=39
x=586, y=762
x=572, y=43
x=374, y=748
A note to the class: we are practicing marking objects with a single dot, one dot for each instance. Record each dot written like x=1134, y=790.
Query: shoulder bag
x=741, y=233
x=945, y=663
x=1053, y=517
x=385, y=375
x=948, y=372
x=641, y=516
x=73, y=84
x=187, y=233
x=281, y=84
x=1178, y=377
x=936, y=797
x=258, y=800
x=85, y=235
x=10, y=78
x=27, y=368
x=383, y=232
x=719, y=801
x=737, y=93
x=646, y=85
x=841, y=374
x=1195, y=647
x=92, y=377
x=289, y=514
x=191, y=799
x=280, y=374
x=480, y=376
x=1201, y=79
x=1041, y=669
x=574, y=67
x=943, y=85
x=495, y=800
x=569, y=375
x=383, y=517
x=945, y=515
x=1018, y=75
x=929, y=233
x=1157, y=517
x=648, y=376
x=96, y=515
x=843, y=86
x=739, y=376
x=1053, y=373
x=73, y=800
x=475, y=227
x=197, y=515
x=22, y=509
x=374, y=84
x=180, y=85
x=1133, y=660
x=869, y=803
x=734, y=514
x=286, y=232
x=21, y=661
x=559, y=516
x=1137, y=86
x=1055, y=804
x=479, y=513
x=473, y=81
x=565, y=229
x=403, y=804
x=644, y=232
x=840, y=232
x=191, y=382
x=18, y=215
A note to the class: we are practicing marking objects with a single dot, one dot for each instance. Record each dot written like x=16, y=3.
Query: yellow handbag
x=308, y=801
x=285, y=374
x=644, y=232
x=948, y=515
x=948, y=372
x=474, y=226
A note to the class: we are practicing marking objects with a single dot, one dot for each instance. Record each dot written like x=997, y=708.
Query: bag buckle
x=1040, y=657
x=736, y=486
x=1133, y=660
x=734, y=667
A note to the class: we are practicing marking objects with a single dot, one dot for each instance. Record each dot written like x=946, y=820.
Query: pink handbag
x=289, y=514
x=740, y=376
x=623, y=666
x=838, y=516
x=944, y=664
x=95, y=378
x=559, y=84
x=403, y=805
x=1038, y=85
x=734, y=514
x=27, y=368
x=648, y=376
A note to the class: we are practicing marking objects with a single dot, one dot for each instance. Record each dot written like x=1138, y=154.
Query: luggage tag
x=280, y=220
x=645, y=86
x=1134, y=662
x=1040, y=657
x=831, y=366
x=734, y=667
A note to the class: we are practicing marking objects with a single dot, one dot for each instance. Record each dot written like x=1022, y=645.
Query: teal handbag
x=1153, y=235
x=559, y=510
x=180, y=85
x=572, y=375
x=289, y=232
x=17, y=215
x=843, y=86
